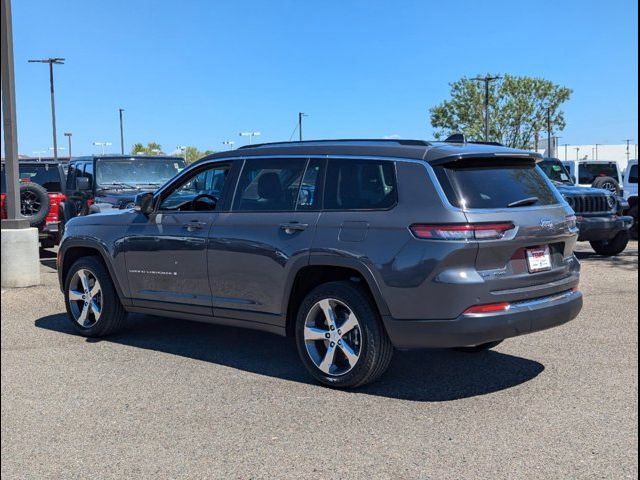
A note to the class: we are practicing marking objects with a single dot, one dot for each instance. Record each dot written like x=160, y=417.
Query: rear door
x=268, y=234
x=538, y=248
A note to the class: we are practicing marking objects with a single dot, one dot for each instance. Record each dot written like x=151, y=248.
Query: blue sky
x=197, y=72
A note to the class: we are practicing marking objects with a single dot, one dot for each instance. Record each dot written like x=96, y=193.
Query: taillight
x=471, y=231
x=491, y=308
x=572, y=222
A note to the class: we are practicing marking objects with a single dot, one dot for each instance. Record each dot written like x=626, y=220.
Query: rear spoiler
x=489, y=158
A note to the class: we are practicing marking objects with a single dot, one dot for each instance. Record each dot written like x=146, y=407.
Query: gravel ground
x=174, y=399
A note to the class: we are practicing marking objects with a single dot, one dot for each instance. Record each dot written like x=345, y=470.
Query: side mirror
x=83, y=184
x=144, y=203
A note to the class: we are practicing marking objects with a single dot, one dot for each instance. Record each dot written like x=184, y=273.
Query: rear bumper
x=523, y=317
x=602, y=228
x=50, y=230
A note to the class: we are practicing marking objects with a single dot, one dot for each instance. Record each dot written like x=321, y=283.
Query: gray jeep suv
x=352, y=247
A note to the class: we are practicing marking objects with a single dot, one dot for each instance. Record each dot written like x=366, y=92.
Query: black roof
x=432, y=152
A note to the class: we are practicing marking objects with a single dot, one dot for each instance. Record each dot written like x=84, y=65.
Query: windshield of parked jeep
x=136, y=172
x=590, y=171
x=554, y=169
x=45, y=174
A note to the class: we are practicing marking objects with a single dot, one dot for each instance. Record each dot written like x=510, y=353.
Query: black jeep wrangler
x=599, y=213
x=96, y=183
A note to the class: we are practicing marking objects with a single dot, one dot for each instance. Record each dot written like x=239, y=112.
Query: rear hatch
x=532, y=254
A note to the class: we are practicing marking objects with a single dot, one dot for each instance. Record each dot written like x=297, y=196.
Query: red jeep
x=41, y=191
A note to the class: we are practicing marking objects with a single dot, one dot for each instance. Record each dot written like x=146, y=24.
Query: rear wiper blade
x=524, y=202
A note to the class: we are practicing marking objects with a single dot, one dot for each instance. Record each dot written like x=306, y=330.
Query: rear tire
x=92, y=303
x=479, y=348
x=340, y=336
x=613, y=247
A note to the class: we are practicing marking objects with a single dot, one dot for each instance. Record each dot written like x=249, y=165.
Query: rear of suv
x=353, y=248
x=41, y=196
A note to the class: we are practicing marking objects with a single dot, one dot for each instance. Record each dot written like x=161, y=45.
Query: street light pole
x=120, y=110
x=250, y=135
x=52, y=62
x=487, y=80
x=578, y=154
x=596, y=156
x=68, y=135
x=229, y=143
x=566, y=152
x=103, y=145
x=300, y=115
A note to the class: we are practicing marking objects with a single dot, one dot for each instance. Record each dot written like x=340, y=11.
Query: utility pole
x=300, y=115
x=578, y=154
x=549, y=132
x=52, y=62
x=68, y=135
x=566, y=152
x=120, y=110
x=597, y=156
x=628, y=141
x=487, y=80
x=14, y=219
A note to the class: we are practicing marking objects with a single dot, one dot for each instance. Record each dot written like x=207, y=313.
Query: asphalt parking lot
x=175, y=399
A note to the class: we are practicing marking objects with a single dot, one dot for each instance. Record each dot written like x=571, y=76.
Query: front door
x=166, y=252
x=254, y=248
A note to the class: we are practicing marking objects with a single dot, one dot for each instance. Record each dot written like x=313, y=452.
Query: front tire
x=613, y=247
x=93, y=306
x=340, y=337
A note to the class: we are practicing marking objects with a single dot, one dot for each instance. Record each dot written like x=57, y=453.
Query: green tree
x=191, y=154
x=518, y=109
x=152, y=148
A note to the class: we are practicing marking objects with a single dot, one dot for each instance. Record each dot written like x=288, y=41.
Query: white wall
x=616, y=153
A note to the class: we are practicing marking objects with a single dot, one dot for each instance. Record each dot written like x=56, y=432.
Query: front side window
x=269, y=185
x=201, y=191
x=360, y=185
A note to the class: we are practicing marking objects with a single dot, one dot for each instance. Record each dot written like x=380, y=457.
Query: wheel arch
x=326, y=269
x=74, y=249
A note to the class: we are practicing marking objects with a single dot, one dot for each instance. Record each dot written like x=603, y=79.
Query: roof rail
x=415, y=143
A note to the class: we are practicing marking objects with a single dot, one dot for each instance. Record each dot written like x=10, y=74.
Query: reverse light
x=490, y=308
x=471, y=231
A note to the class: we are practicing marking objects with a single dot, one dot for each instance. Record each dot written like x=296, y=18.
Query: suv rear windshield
x=487, y=184
x=45, y=174
x=590, y=171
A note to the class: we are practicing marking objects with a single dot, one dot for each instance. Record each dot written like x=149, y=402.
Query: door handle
x=293, y=227
x=195, y=225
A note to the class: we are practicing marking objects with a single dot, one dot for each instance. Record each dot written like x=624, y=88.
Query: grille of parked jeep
x=589, y=204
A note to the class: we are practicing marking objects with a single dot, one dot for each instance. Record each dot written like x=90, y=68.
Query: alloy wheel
x=29, y=204
x=333, y=337
x=85, y=298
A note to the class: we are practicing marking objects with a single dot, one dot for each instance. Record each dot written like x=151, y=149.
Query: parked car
x=599, y=213
x=353, y=248
x=631, y=195
x=602, y=174
x=96, y=183
x=41, y=193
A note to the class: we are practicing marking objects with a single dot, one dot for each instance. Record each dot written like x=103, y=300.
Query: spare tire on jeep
x=34, y=203
x=607, y=183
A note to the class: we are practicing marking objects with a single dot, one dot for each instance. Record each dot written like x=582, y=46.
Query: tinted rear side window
x=360, y=185
x=488, y=185
x=633, y=174
x=269, y=185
